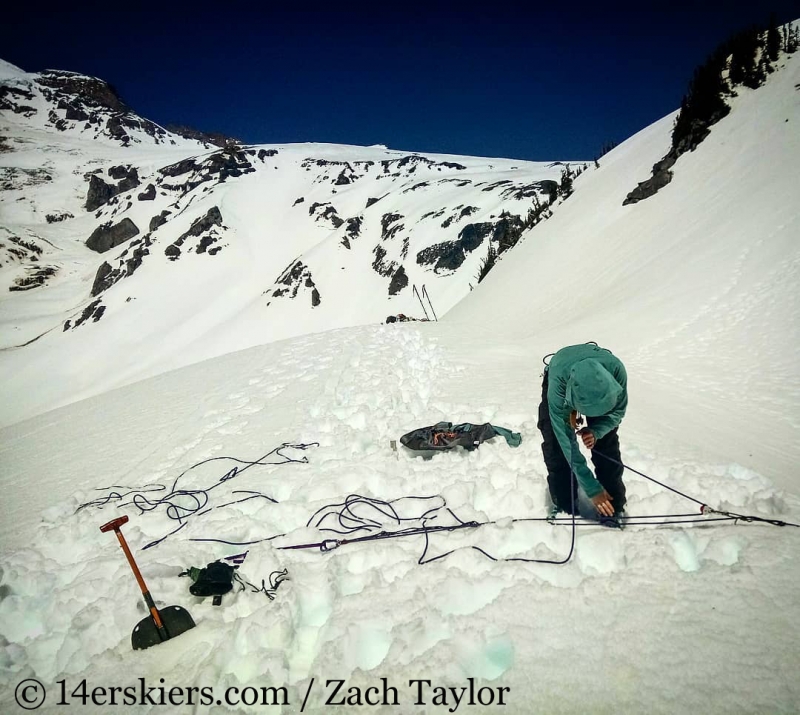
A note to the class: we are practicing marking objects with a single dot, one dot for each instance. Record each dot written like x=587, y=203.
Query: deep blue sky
x=520, y=83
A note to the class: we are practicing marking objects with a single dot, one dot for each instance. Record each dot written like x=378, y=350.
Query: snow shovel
x=161, y=625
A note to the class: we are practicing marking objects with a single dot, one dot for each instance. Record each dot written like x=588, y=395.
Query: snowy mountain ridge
x=100, y=227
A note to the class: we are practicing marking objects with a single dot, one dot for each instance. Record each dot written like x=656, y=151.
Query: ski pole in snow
x=419, y=298
x=425, y=295
x=161, y=625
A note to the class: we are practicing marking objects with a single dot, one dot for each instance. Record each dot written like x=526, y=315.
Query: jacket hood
x=591, y=389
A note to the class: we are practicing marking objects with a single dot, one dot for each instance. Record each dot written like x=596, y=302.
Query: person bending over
x=584, y=380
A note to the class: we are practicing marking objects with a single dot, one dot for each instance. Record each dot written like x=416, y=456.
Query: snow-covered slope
x=180, y=255
x=695, y=289
x=702, y=279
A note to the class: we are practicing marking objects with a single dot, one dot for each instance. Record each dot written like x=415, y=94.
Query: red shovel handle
x=114, y=524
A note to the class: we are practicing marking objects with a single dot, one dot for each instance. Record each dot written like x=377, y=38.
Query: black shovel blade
x=176, y=620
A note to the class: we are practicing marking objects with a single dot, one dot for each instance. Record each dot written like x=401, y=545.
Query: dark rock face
x=381, y=267
x=78, y=98
x=100, y=192
x=264, y=153
x=207, y=138
x=107, y=276
x=119, y=172
x=386, y=221
x=27, y=253
x=27, y=250
x=449, y=255
x=100, y=277
x=58, y=216
x=202, y=225
x=90, y=90
x=660, y=178
x=371, y=201
x=495, y=185
x=346, y=176
x=179, y=168
x=228, y=163
x=159, y=220
x=12, y=98
x=412, y=162
x=432, y=214
x=37, y=276
x=389, y=269
x=506, y=232
x=399, y=281
x=107, y=236
x=291, y=280
x=352, y=231
x=148, y=194
x=465, y=211
x=299, y=201
x=327, y=212
x=546, y=187
x=94, y=310
x=13, y=178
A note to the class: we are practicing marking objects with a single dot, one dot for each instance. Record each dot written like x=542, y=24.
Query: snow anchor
x=704, y=508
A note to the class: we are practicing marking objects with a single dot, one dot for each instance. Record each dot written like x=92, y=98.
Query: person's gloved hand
x=588, y=437
x=602, y=502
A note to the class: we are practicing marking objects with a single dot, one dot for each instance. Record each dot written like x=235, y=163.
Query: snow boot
x=613, y=522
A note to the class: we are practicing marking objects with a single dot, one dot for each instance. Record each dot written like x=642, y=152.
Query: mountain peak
x=9, y=71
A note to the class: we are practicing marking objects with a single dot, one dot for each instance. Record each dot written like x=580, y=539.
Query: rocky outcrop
x=449, y=255
x=35, y=276
x=90, y=104
x=464, y=211
x=108, y=236
x=93, y=311
x=296, y=276
x=352, y=231
x=127, y=263
x=389, y=269
x=228, y=163
x=399, y=281
x=546, y=187
x=208, y=138
x=203, y=225
x=159, y=220
x=386, y=221
x=14, y=179
x=100, y=278
x=660, y=178
x=100, y=192
x=148, y=194
x=58, y=216
x=325, y=212
x=409, y=164
x=13, y=99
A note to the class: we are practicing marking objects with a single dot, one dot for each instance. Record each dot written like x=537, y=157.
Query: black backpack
x=215, y=579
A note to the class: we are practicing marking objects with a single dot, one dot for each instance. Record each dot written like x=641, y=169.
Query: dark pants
x=559, y=474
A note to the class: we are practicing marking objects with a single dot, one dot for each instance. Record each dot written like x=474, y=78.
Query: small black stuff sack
x=215, y=579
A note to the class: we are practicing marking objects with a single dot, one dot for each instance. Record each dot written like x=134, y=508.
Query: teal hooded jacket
x=591, y=380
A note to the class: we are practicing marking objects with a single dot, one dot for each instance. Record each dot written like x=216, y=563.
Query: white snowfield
x=696, y=289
